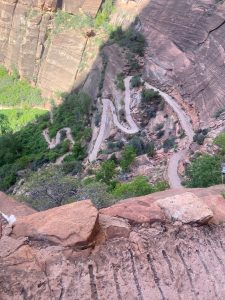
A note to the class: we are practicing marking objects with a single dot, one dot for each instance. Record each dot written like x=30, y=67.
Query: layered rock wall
x=27, y=43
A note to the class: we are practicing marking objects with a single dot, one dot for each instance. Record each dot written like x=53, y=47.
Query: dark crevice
x=169, y=264
x=187, y=271
x=135, y=275
x=155, y=276
x=115, y=277
x=210, y=32
x=94, y=293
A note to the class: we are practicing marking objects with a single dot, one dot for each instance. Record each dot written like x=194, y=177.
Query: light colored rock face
x=52, y=62
x=186, y=208
x=69, y=225
x=90, y=7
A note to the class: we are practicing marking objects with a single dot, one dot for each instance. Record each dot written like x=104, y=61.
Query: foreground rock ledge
x=69, y=225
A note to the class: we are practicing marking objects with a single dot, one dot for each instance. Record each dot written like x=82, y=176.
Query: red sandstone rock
x=114, y=227
x=138, y=210
x=11, y=207
x=69, y=225
x=217, y=204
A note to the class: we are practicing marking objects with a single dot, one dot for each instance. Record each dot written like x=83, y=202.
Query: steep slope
x=186, y=49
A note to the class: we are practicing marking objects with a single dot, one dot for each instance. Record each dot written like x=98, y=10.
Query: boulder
x=69, y=225
x=136, y=210
x=187, y=208
x=114, y=227
x=217, y=204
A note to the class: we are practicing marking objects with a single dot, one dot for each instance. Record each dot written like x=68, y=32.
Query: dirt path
x=173, y=176
x=52, y=143
x=108, y=107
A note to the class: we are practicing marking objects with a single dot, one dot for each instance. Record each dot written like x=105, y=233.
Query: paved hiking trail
x=108, y=106
x=185, y=122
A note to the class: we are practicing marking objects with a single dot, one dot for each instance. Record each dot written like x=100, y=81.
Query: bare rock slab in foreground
x=70, y=225
x=187, y=208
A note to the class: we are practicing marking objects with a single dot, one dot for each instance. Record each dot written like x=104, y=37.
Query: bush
x=139, y=186
x=160, y=134
x=204, y=171
x=136, y=81
x=150, y=149
x=149, y=96
x=120, y=82
x=103, y=16
x=106, y=172
x=130, y=39
x=219, y=112
x=220, y=142
x=97, y=192
x=169, y=143
x=128, y=157
x=159, y=126
x=199, y=138
x=137, y=144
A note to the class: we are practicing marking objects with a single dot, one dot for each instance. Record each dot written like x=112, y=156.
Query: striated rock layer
x=118, y=258
x=186, y=49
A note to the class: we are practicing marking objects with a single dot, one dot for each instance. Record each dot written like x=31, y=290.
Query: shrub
x=219, y=112
x=220, y=142
x=204, y=171
x=137, y=144
x=136, y=81
x=148, y=96
x=150, y=149
x=104, y=14
x=160, y=134
x=159, y=126
x=128, y=157
x=106, y=172
x=97, y=192
x=199, y=138
x=139, y=186
x=130, y=39
x=120, y=82
x=169, y=143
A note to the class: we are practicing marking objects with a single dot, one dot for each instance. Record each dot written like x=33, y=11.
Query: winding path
x=107, y=107
x=173, y=176
x=52, y=143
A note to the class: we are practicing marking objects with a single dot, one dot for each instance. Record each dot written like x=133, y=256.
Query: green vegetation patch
x=18, y=118
x=27, y=149
x=16, y=92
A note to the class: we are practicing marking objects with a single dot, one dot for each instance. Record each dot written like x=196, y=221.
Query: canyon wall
x=186, y=49
x=186, y=46
x=50, y=61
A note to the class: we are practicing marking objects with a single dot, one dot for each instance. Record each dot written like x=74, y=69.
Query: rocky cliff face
x=185, y=46
x=49, y=61
x=186, y=49
x=76, y=252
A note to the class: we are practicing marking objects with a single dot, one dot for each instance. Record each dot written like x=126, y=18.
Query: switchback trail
x=173, y=176
x=108, y=106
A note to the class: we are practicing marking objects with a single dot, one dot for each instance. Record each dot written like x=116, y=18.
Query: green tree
x=128, y=157
x=204, y=171
x=4, y=124
x=106, y=172
x=220, y=141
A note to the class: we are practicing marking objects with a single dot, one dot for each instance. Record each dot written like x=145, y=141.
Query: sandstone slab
x=137, y=210
x=217, y=204
x=69, y=225
x=187, y=208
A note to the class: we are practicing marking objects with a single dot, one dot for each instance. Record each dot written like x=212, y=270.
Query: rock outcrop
x=78, y=224
x=122, y=261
